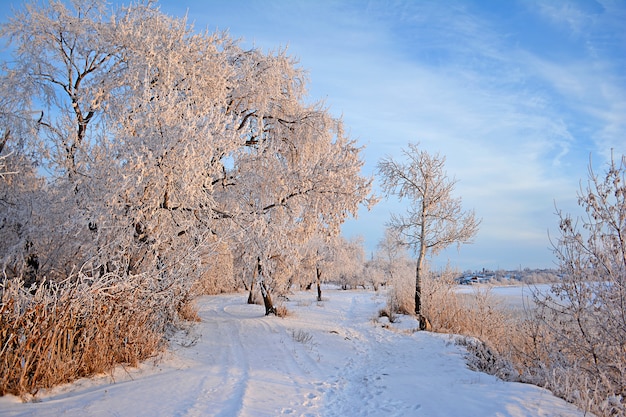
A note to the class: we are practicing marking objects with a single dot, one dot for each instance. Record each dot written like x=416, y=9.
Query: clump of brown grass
x=400, y=296
x=63, y=331
x=281, y=310
x=389, y=313
x=187, y=311
x=477, y=314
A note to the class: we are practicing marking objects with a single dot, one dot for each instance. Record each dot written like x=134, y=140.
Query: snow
x=329, y=358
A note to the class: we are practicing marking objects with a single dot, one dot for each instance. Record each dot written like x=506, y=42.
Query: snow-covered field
x=325, y=359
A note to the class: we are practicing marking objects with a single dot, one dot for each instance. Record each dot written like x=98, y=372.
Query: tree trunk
x=424, y=322
x=419, y=270
x=418, y=288
x=4, y=141
x=251, y=293
x=319, y=283
x=267, y=298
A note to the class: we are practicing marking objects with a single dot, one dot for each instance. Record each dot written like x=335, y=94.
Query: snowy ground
x=326, y=359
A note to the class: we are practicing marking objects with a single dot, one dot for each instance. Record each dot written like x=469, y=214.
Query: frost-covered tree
x=390, y=253
x=373, y=274
x=349, y=262
x=158, y=139
x=22, y=194
x=585, y=313
x=293, y=183
x=394, y=262
x=335, y=259
x=435, y=218
x=313, y=253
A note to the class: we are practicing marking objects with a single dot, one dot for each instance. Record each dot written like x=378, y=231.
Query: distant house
x=473, y=279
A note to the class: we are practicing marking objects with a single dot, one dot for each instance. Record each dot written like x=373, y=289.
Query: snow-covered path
x=325, y=359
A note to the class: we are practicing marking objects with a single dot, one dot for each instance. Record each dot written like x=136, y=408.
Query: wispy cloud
x=494, y=114
x=573, y=17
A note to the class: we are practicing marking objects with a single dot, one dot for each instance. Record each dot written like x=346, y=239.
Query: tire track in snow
x=246, y=383
x=222, y=387
x=237, y=374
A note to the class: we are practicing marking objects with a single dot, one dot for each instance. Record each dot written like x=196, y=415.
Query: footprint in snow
x=310, y=399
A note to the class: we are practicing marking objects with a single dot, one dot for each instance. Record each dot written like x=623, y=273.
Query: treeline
x=143, y=162
x=511, y=277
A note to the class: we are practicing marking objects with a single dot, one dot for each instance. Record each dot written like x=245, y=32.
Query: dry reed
x=57, y=333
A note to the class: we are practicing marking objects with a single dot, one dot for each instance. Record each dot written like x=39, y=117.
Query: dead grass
x=187, y=311
x=489, y=327
x=78, y=328
x=281, y=310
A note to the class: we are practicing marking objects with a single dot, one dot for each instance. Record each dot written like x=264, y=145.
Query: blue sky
x=517, y=95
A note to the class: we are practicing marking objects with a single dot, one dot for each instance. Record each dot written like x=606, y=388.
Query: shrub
x=218, y=271
x=573, y=341
x=483, y=358
x=581, y=354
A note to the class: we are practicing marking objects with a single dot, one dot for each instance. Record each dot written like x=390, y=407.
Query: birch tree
x=435, y=218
